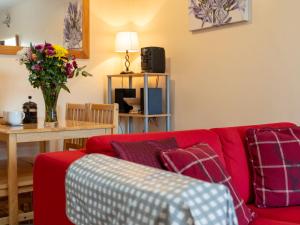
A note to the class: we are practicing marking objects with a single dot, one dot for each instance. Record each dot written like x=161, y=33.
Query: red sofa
x=50, y=170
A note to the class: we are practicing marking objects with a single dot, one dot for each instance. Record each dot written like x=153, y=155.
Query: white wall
x=241, y=74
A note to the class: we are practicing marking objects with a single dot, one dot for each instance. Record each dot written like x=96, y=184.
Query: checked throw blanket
x=108, y=191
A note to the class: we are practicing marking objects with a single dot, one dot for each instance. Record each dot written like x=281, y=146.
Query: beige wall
x=241, y=74
x=107, y=17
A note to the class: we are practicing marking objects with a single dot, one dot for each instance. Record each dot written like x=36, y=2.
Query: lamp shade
x=127, y=41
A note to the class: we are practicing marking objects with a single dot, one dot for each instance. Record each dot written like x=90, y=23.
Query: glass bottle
x=30, y=110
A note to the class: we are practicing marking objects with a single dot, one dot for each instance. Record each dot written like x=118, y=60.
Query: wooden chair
x=98, y=113
x=76, y=112
x=104, y=113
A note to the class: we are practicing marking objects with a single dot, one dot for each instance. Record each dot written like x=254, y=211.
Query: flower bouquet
x=50, y=67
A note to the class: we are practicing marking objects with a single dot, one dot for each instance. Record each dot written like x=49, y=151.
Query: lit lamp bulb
x=127, y=42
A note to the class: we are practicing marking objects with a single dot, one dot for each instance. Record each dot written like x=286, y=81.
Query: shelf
x=24, y=177
x=22, y=217
x=138, y=115
x=139, y=75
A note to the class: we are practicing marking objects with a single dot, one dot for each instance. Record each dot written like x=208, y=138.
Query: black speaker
x=154, y=100
x=153, y=60
x=121, y=93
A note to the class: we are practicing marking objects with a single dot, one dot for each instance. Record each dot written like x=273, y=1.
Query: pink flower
x=74, y=63
x=69, y=70
x=39, y=48
x=37, y=67
x=50, y=52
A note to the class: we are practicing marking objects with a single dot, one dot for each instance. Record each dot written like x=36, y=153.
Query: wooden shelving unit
x=138, y=115
x=146, y=116
x=139, y=75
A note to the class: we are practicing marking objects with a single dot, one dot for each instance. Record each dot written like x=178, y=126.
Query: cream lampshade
x=127, y=42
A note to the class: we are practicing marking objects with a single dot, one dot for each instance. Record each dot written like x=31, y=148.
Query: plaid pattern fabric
x=275, y=158
x=201, y=162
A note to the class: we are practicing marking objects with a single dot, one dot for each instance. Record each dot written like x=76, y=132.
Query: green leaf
x=86, y=74
x=63, y=86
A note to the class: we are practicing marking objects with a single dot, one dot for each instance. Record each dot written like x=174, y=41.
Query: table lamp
x=127, y=42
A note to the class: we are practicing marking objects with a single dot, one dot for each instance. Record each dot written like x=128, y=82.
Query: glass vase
x=50, y=99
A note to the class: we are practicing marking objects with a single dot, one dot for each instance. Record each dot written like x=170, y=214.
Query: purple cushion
x=144, y=152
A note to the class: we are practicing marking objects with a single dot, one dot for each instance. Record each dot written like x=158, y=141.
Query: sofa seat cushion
x=144, y=152
x=184, y=139
x=275, y=160
x=234, y=151
x=289, y=214
x=265, y=221
x=201, y=162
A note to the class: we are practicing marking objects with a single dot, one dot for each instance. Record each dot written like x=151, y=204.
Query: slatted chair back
x=77, y=112
x=104, y=113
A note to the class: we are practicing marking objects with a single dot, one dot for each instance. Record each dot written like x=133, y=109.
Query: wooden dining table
x=35, y=133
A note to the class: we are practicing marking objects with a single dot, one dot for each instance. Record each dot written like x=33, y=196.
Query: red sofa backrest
x=101, y=144
x=234, y=152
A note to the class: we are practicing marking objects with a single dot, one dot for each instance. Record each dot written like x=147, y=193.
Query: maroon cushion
x=275, y=157
x=201, y=162
x=144, y=152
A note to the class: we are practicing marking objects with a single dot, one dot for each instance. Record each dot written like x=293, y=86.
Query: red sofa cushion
x=144, y=152
x=184, y=139
x=234, y=151
x=265, y=221
x=201, y=162
x=275, y=157
x=289, y=214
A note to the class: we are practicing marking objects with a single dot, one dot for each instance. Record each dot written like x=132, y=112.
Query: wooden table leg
x=12, y=180
x=43, y=146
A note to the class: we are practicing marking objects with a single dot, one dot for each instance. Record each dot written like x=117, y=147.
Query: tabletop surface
x=65, y=125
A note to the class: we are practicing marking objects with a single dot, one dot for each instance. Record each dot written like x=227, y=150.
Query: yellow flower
x=60, y=51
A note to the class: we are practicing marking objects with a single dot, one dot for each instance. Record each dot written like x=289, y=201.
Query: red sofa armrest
x=49, y=186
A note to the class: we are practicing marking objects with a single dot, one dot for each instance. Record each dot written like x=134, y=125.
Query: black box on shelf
x=153, y=60
x=120, y=94
x=154, y=100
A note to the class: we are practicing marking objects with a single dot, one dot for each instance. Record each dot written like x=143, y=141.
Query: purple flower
x=39, y=48
x=37, y=67
x=69, y=70
x=74, y=63
x=48, y=46
x=50, y=52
